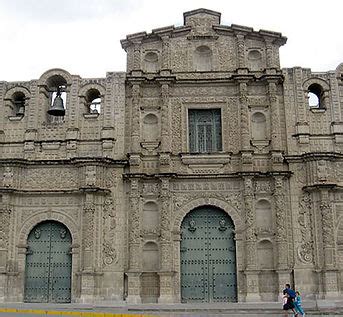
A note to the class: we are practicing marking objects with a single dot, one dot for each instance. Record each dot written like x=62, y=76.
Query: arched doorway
x=48, y=264
x=208, y=257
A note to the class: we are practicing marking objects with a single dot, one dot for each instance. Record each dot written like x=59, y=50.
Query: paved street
x=312, y=308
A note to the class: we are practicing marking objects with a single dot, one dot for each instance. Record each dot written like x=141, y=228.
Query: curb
x=68, y=313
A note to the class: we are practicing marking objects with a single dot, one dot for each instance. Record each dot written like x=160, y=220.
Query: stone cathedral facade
x=204, y=173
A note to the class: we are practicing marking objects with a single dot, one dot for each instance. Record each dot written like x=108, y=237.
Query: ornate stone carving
x=165, y=210
x=241, y=50
x=111, y=178
x=262, y=186
x=305, y=249
x=5, y=218
x=8, y=177
x=50, y=178
x=88, y=224
x=109, y=217
x=322, y=172
x=176, y=124
x=90, y=175
x=327, y=222
x=109, y=253
x=281, y=221
x=150, y=189
x=245, y=133
x=134, y=212
x=280, y=211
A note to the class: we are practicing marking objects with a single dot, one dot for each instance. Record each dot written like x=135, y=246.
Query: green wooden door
x=208, y=257
x=48, y=264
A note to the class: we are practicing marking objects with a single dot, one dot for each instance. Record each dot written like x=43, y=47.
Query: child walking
x=298, y=304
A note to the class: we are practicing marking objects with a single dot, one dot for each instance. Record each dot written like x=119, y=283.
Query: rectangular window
x=205, y=130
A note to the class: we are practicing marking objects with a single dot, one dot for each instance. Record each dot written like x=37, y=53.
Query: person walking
x=298, y=304
x=291, y=295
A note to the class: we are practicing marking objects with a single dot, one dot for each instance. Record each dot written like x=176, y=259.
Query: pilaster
x=133, y=287
x=330, y=273
x=135, y=125
x=166, y=287
x=251, y=256
x=243, y=99
x=281, y=222
x=276, y=142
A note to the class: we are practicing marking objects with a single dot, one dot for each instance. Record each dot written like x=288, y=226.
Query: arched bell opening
x=48, y=266
x=208, y=256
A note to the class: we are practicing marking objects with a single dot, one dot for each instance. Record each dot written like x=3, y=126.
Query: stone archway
x=208, y=256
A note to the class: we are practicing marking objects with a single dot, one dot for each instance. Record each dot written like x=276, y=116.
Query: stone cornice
x=73, y=161
x=313, y=156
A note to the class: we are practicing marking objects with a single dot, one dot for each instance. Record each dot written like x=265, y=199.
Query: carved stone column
x=274, y=118
x=137, y=56
x=135, y=124
x=165, y=142
x=88, y=273
x=166, y=274
x=329, y=250
x=245, y=132
x=251, y=258
x=270, y=55
x=241, y=50
x=5, y=225
x=88, y=229
x=282, y=265
x=165, y=52
x=281, y=222
x=134, y=245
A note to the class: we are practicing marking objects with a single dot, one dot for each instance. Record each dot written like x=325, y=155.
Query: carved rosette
x=281, y=220
x=305, y=249
x=5, y=219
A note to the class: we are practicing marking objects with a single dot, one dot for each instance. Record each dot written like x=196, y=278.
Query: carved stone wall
x=121, y=176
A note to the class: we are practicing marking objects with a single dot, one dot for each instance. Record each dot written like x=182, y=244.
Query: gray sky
x=83, y=37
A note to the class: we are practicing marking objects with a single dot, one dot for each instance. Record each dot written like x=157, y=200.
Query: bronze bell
x=57, y=108
x=20, y=111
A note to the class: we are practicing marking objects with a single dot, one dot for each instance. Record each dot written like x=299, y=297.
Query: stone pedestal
x=284, y=277
x=133, y=287
x=2, y=287
x=330, y=284
x=253, y=294
x=166, y=287
x=87, y=291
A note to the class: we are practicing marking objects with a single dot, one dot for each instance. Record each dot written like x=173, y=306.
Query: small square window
x=205, y=131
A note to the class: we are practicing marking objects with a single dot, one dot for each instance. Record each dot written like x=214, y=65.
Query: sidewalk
x=122, y=309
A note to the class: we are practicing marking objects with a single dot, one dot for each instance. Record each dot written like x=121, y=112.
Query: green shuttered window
x=205, y=130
